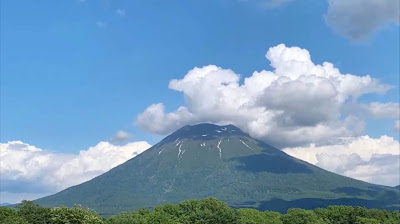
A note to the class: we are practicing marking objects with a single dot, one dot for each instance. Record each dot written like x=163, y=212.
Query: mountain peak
x=206, y=160
x=209, y=127
x=205, y=131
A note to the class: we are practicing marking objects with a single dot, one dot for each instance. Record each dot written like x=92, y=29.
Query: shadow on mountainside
x=271, y=163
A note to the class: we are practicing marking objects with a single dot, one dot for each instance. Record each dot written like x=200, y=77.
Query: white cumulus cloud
x=357, y=19
x=375, y=160
x=30, y=171
x=120, y=136
x=389, y=110
x=299, y=102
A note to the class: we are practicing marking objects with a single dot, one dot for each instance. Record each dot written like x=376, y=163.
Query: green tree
x=172, y=210
x=395, y=217
x=252, y=216
x=301, y=216
x=168, y=213
x=128, y=218
x=209, y=210
x=162, y=218
x=6, y=212
x=14, y=220
x=33, y=213
x=75, y=215
x=361, y=220
x=336, y=214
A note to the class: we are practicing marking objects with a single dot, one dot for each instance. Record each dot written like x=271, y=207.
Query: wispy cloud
x=268, y=3
x=276, y=3
x=121, y=12
x=388, y=110
x=100, y=24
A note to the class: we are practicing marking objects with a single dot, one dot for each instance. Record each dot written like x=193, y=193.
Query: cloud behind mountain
x=297, y=103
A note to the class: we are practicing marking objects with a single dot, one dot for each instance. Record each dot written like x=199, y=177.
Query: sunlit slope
x=220, y=161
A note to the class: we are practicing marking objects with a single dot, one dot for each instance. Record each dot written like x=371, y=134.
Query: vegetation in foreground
x=209, y=210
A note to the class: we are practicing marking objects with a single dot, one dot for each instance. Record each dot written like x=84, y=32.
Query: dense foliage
x=30, y=213
x=209, y=210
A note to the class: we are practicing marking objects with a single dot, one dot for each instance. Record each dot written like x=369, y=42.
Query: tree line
x=209, y=210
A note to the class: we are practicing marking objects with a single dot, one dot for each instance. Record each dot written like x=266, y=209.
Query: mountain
x=220, y=161
x=4, y=204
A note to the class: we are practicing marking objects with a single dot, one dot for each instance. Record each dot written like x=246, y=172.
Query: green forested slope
x=220, y=161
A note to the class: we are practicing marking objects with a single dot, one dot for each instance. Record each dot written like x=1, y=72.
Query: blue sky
x=74, y=73
x=68, y=84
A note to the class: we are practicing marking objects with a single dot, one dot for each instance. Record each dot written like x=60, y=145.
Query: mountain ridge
x=206, y=160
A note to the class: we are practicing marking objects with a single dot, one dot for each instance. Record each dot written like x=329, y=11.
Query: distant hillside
x=4, y=204
x=207, y=160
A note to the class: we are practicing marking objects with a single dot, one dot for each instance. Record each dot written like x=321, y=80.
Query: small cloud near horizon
x=28, y=172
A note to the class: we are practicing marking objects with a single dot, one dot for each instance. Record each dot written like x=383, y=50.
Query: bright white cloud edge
x=374, y=160
x=297, y=103
x=24, y=163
